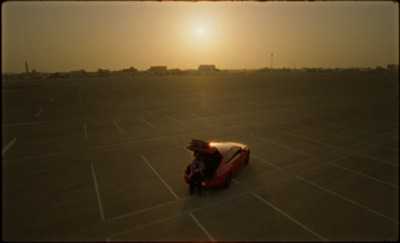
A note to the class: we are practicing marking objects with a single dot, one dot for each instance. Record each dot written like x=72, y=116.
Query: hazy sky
x=65, y=36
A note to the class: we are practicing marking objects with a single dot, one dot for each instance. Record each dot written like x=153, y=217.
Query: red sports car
x=222, y=161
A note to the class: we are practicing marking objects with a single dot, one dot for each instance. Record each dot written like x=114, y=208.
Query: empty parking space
x=387, y=154
x=318, y=136
x=97, y=159
x=128, y=185
x=329, y=216
x=376, y=195
x=246, y=218
x=374, y=168
x=303, y=145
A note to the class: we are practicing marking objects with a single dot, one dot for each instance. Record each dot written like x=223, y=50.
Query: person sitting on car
x=196, y=174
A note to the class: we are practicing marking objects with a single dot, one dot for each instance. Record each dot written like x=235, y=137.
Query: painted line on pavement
x=280, y=145
x=39, y=112
x=346, y=128
x=142, y=226
x=98, y=194
x=145, y=209
x=14, y=110
x=191, y=114
x=148, y=123
x=346, y=199
x=266, y=162
x=289, y=217
x=378, y=160
x=8, y=146
x=366, y=176
x=24, y=124
x=308, y=139
x=159, y=177
x=173, y=119
x=120, y=130
x=85, y=131
x=329, y=133
x=180, y=214
x=149, y=112
x=202, y=227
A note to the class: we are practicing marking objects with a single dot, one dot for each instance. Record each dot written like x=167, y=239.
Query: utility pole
x=26, y=67
x=272, y=55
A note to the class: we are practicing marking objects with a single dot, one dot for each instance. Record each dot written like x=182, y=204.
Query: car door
x=232, y=160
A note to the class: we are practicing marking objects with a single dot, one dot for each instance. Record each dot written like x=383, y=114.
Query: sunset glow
x=62, y=36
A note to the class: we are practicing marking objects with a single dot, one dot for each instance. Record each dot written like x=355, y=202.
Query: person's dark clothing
x=196, y=175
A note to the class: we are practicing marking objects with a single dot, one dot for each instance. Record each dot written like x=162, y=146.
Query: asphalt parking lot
x=102, y=159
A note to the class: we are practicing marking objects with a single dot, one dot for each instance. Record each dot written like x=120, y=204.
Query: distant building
x=159, y=70
x=79, y=73
x=175, y=71
x=130, y=70
x=393, y=67
x=207, y=69
x=103, y=72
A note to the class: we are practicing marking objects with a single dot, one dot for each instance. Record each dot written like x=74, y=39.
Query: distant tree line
x=176, y=71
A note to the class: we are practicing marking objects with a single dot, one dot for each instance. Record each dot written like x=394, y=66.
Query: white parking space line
x=8, y=146
x=202, y=227
x=268, y=163
x=191, y=114
x=148, y=123
x=143, y=226
x=149, y=112
x=116, y=124
x=180, y=214
x=39, y=112
x=378, y=160
x=329, y=133
x=307, y=139
x=361, y=174
x=144, y=210
x=286, y=215
x=346, y=128
x=280, y=145
x=173, y=119
x=159, y=177
x=14, y=110
x=85, y=131
x=98, y=194
x=24, y=124
x=346, y=199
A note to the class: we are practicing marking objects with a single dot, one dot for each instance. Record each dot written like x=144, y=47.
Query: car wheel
x=246, y=162
x=228, y=180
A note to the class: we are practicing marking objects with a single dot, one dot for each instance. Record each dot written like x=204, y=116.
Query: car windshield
x=222, y=147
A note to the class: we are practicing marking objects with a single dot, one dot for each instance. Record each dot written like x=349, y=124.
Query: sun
x=201, y=32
